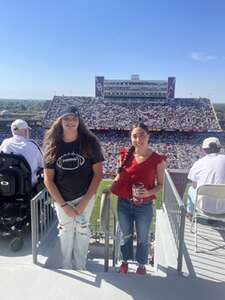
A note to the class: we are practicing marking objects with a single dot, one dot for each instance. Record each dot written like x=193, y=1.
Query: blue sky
x=57, y=47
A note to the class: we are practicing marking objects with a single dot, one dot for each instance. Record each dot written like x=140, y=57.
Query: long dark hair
x=54, y=137
x=132, y=148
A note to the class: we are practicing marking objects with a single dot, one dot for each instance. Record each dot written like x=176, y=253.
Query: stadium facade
x=135, y=87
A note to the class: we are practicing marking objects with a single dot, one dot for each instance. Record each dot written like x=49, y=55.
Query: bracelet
x=63, y=205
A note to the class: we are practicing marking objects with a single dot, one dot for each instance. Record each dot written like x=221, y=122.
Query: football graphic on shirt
x=70, y=161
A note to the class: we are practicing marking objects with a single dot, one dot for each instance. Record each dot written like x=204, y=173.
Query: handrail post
x=33, y=231
x=181, y=241
x=107, y=199
x=105, y=214
x=114, y=244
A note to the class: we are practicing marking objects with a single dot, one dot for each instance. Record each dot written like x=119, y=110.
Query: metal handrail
x=178, y=198
x=43, y=219
x=104, y=217
x=176, y=217
x=105, y=210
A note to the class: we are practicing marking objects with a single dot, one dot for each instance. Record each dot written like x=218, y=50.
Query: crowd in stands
x=176, y=114
x=181, y=149
x=178, y=126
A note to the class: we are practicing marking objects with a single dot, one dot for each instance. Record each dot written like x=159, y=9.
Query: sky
x=51, y=47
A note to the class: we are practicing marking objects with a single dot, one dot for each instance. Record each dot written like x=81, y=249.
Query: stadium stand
x=178, y=125
x=118, y=114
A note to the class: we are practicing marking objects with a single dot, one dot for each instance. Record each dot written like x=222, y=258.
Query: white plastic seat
x=209, y=205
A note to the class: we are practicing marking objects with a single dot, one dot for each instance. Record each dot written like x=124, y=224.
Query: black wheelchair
x=15, y=195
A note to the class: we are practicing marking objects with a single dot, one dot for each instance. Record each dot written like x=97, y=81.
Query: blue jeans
x=141, y=215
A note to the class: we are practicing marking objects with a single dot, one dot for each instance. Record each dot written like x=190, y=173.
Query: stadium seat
x=209, y=205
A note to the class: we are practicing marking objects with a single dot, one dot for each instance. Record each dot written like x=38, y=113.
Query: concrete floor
x=21, y=280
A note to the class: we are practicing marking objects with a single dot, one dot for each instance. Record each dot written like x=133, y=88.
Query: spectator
x=73, y=171
x=140, y=176
x=207, y=170
x=20, y=143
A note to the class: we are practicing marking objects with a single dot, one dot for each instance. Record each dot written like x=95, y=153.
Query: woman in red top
x=139, y=178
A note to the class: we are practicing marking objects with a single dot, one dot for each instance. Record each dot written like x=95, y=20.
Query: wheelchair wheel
x=16, y=244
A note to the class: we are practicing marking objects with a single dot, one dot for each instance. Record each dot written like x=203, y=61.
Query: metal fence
x=109, y=226
x=43, y=219
x=176, y=212
x=180, y=180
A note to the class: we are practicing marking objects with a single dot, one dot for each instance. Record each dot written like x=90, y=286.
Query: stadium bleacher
x=178, y=125
x=119, y=113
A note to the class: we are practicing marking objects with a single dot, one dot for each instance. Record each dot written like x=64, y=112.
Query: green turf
x=95, y=225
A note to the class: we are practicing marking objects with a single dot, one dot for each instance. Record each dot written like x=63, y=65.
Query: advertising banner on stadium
x=99, y=86
x=171, y=87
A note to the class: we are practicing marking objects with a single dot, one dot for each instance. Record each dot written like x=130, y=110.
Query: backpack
x=15, y=175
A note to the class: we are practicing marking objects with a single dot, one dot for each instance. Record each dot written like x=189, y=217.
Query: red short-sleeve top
x=133, y=172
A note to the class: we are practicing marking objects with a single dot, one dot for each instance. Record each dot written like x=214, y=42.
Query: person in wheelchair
x=15, y=195
x=20, y=163
x=20, y=143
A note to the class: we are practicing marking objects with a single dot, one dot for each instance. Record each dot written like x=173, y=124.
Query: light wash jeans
x=74, y=236
x=191, y=199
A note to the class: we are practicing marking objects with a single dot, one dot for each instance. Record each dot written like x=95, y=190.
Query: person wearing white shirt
x=20, y=143
x=209, y=169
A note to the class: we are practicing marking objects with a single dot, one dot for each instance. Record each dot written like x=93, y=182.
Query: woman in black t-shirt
x=72, y=173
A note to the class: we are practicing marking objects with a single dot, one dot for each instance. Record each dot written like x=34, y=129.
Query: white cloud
x=202, y=56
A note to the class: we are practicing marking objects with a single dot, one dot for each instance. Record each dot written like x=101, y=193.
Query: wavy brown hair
x=54, y=137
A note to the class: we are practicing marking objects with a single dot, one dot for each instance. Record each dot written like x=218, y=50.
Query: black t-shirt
x=73, y=171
